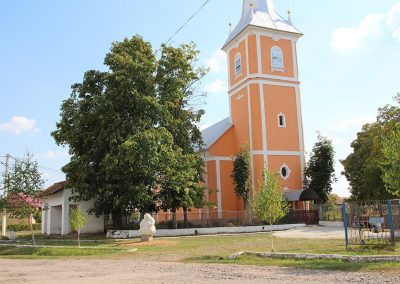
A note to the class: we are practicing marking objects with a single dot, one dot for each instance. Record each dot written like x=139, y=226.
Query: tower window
x=276, y=58
x=285, y=172
x=282, y=120
x=238, y=65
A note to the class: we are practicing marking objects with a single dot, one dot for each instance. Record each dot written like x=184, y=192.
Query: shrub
x=23, y=227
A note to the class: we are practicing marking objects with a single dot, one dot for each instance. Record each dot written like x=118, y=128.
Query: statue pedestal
x=147, y=238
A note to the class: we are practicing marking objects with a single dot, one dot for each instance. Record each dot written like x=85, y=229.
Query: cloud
x=216, y=86
x=52, y=155
x=18, y=125
x=348, y=39
x=217, y=62
x=351, y=124
x=393, y=21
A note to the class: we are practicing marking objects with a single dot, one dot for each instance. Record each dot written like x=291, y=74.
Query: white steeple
x=261, y=13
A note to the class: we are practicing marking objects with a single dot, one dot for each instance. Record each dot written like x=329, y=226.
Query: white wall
x=56, y=218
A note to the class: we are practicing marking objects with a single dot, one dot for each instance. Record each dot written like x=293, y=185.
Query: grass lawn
x=203, y=249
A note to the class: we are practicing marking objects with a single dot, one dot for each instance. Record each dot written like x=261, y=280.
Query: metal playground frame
x=371, y=223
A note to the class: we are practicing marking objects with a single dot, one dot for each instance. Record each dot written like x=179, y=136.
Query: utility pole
x=4, y=223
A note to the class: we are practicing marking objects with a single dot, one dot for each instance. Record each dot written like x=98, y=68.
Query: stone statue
x=147, y=228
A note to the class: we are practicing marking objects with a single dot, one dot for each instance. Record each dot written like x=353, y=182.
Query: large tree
x=128, y=128
x=320, y=171
x=362, y=167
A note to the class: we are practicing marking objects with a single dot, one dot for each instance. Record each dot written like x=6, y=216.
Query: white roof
x=263, y=15
x=212, y=133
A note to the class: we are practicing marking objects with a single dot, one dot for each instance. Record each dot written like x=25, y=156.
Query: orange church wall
x=224, y=146
x=256, y=117
x=253, y=58
x=293, y=162
x=228, y=196
x=286, y=45
x=240, y=119
x=241, y=49
x=281, y=99
x=258, y=168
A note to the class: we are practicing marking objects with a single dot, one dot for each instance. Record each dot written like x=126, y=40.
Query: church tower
x=265, y=102
x=265, y=108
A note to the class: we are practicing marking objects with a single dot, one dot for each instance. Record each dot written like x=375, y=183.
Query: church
x=265, y=110
x=265, y=116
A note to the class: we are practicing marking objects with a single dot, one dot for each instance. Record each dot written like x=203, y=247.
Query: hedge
x=23, y=227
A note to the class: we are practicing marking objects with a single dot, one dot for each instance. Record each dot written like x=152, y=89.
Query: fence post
x=391, y=225
x=345, y=224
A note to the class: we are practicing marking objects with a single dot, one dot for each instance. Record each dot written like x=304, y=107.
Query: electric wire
x=188, y=20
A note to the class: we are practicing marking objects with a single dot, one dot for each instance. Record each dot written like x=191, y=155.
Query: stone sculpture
x=147, y=228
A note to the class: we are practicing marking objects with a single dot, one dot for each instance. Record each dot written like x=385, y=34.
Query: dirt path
x=134, y=271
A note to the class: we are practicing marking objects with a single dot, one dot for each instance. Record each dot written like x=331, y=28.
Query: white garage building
x=56, y=208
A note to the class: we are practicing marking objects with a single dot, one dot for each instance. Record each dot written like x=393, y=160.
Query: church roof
x=261, y=13
x=214, y=132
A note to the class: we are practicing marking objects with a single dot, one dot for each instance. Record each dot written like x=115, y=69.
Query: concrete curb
x=215, y=230
x=304, y=256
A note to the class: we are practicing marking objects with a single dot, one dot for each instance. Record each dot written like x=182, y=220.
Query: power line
x=188, y=20
x=39, y=165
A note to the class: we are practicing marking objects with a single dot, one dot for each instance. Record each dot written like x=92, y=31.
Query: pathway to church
x=135, y=271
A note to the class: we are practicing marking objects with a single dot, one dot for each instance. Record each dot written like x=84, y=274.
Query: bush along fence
x=211, y=219
x=23, y=227
x=372, y=223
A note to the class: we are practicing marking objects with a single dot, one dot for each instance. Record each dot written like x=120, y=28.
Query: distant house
x=17, y=200
x=56, y=206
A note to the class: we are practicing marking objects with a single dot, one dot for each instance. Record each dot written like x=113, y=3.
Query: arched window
x=276, y=58
x=285, y=172
x=238, y=65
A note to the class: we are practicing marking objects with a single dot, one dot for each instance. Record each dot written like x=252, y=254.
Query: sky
x=349, y=62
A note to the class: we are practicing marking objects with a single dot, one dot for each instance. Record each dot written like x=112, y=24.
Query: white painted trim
x=262, y=31
x=247, y=56
x=207, y=186
x=200, y=213
x=250, y=132
x=217, y=158
x=261, y=81
x=300, y=128
x=228, y=59
x=263, y=122
x=259, y=53
x=294, y=56
x=258, y=152
x=285, y=153
x=281, y=114
x=266, y=78
x=288, y=171
x=219, y=192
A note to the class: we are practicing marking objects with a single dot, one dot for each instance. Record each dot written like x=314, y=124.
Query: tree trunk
x=272, y=237
x=79, y=241
x=185, y=218
x=117, y=221
x=33, y=235
x=174, y=221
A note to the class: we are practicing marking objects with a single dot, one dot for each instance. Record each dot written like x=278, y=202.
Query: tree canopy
x=320, y=171
x=241, y=175
x=132, y=129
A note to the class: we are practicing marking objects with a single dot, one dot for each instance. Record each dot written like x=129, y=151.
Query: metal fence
x=164, y=220
x=331, y=214
x=372, y=223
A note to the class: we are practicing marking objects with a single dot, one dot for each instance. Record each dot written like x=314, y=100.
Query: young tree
x=241, y=176
x=320, y=171
x=24, y=185
x=268, y=204
x=77, y=220
x=126, y=126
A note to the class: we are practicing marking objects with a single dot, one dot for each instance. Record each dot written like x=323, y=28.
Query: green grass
x=305, y=264
x=205, y=249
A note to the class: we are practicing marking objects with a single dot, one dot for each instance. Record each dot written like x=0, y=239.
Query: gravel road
x=135, y=271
